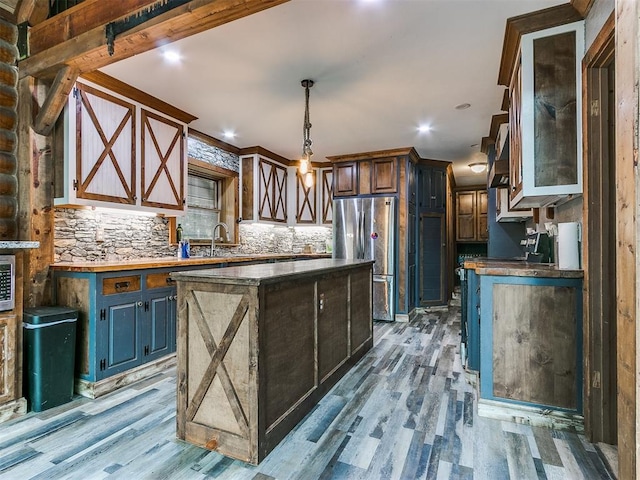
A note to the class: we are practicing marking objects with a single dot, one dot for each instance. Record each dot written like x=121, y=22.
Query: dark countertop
x=162, y=262
x=518, y=268
x=268, y=272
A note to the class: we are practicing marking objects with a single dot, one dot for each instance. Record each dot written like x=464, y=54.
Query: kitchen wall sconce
x=304, y=167
x=478, y=167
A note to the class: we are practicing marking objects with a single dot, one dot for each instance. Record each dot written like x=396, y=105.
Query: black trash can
x=49, y=356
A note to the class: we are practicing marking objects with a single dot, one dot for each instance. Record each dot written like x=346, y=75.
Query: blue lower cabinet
x=162, y=324
x=125, y=319
x=531, y=342
x=472, y=323
x=118, y=334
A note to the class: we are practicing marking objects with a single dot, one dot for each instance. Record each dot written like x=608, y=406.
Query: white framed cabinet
x=121, y=154
x=545, y=117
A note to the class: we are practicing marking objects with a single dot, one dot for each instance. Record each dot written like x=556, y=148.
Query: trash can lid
x=40, y=315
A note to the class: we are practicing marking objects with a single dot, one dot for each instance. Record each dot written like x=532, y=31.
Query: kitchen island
x=259, y=345
x=523, y=330
x=126, y=328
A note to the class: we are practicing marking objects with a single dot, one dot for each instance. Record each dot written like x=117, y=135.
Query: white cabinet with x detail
x=119, y=153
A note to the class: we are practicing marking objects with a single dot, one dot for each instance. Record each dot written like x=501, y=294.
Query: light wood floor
x=405, y=411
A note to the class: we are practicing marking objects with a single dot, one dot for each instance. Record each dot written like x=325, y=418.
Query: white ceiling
x=381, y=67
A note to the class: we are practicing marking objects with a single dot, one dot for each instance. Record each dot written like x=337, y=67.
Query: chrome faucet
x=213, y=236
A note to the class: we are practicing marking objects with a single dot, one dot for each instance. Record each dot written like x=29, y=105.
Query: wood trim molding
x=115, y=85
x=214, y=142
x=410, y=151
x=527, y=23
x=433, y=163
x=496, y=121
x=506, y=101
x=485, y=144
x=207, y=169
x=470, y=188
x=63, y=39
x=603, y=45
x=257, y=150
x=582, y=6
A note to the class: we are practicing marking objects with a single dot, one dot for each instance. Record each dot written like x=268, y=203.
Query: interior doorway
x=600, y=232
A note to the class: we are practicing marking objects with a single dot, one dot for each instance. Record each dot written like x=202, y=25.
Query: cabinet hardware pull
x=139, y=303
x=122, y=285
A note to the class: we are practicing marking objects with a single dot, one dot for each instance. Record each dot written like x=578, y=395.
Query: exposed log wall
x=8, y=138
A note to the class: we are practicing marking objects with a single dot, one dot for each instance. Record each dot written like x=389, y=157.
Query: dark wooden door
x=431, y=262
x=465, y=216
x=384, y=175
x=345, y=179
x=482, y=230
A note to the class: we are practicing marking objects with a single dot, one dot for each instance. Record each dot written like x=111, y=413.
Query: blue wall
x=504, y=238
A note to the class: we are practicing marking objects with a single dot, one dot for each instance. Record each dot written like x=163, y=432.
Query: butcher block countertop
x=518, y=268
x=162, y=262
x=267, y=272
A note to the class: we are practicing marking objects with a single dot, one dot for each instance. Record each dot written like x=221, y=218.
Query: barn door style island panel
x=260, y=345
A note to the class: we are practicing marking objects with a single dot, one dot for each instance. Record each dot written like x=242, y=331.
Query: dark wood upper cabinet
x=384, y=176
x=471, y=216
x=363, y=177
x=345, y=179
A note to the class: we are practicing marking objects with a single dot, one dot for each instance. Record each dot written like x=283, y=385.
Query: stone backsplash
x=215, y=156
x=92, y=235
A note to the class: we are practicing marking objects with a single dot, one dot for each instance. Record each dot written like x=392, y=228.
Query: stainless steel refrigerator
x=365, y=228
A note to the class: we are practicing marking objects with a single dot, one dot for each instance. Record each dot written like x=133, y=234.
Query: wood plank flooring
x=404, y=412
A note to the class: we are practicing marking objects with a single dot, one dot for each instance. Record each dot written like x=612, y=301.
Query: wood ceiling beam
x=32, y=11
x=56, y=100
x=85, y=49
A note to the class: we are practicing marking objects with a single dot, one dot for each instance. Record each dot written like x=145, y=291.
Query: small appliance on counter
x=538, y=248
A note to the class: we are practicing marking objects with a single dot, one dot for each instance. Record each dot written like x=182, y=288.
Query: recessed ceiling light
x=424, y=128
x=463, y=106
x=172, y=56
x=229, y=134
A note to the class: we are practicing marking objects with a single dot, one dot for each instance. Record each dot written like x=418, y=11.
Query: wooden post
x=35, y=194
x=627, y=139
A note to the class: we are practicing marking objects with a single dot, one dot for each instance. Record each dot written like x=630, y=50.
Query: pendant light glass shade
x=303, y=166
x=308, y=179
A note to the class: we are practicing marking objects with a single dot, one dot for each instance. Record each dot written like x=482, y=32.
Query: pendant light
x=304, y=167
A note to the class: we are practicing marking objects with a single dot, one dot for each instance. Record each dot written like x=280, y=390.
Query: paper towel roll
x=568, y=246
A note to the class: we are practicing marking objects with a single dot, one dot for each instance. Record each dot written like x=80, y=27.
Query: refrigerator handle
x=358, y=236
x=361, y=229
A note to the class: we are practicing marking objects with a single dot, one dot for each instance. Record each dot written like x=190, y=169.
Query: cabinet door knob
x=139, y=303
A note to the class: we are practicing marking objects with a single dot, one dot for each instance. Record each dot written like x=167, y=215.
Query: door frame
x=599, y=306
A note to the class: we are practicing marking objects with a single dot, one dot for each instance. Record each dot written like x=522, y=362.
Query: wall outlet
x=100, y=235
